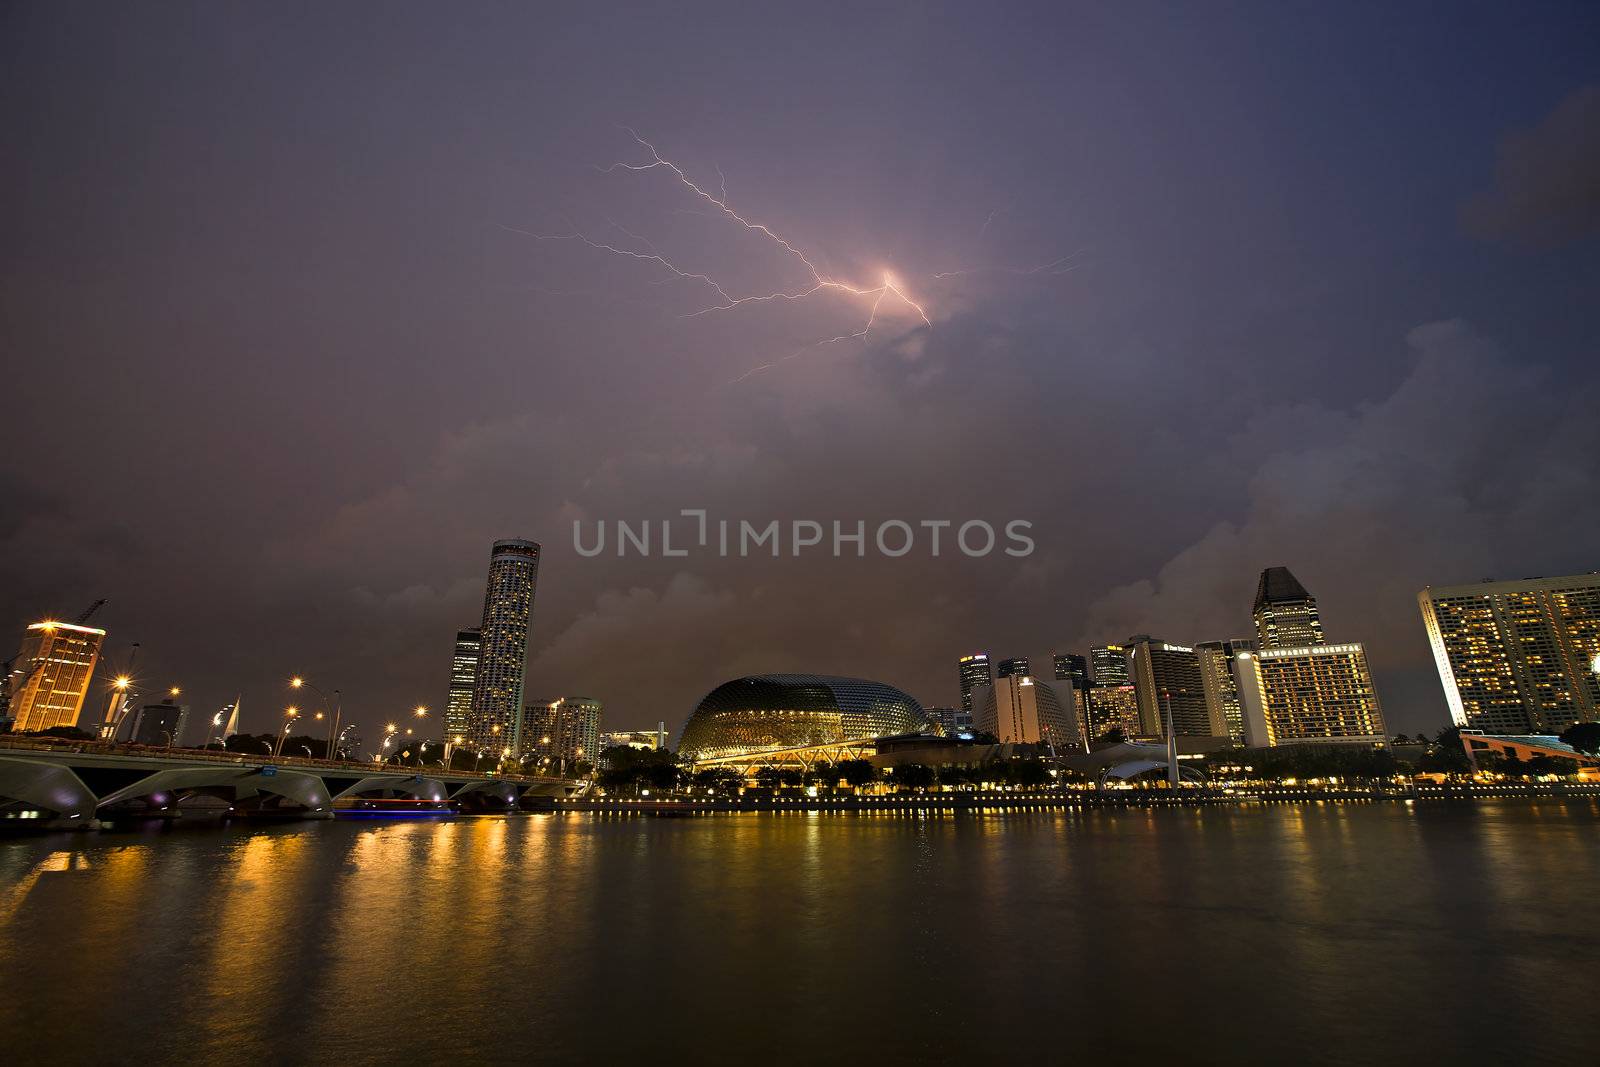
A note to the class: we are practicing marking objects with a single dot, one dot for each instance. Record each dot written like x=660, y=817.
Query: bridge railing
x=211, y=755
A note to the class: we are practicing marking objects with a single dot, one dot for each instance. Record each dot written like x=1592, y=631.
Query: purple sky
x=281, y=366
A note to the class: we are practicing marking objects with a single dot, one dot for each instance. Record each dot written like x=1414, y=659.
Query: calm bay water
x=1322, y=933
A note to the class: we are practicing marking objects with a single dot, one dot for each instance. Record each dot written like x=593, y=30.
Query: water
x=1360, y=933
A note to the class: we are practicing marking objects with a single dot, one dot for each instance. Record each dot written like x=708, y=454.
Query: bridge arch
x=389, y=785
x=485, y=794
x=34, y=785
x=238, y=784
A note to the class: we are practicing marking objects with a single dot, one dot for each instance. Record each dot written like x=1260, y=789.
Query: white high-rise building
x=1022, y=709
x=495, y=720
x=1517, y=657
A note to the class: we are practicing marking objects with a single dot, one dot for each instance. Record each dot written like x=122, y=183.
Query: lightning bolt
x=818, y=282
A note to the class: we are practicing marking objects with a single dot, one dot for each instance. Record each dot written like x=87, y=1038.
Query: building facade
x=975, y=671
x=1114, y=705
x=1316, y=693
x=463, y=674
x=775, y=712
x=1218, y=681
x=51, y=675
x=1285, y=613
x=496, y=716
x=1108, y=665
x=557, y=733
x=1024, y=710
x=950, y=722
x=1016, y=665
x=1166, y=679
x=1517, y=657
x=161, y=724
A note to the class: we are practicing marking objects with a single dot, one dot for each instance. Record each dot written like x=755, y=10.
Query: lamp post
x=289, y=715
x=334, y=714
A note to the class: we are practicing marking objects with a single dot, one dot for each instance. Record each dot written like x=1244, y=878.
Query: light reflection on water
x=1327, y=932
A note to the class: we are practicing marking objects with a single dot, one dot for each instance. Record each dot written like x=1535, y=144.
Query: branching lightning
x=818, y=283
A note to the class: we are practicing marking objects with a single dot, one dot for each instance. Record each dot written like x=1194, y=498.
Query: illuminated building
x=949, y=721
x=1075, y=669
x=1316, y=693
x=1114, y=705
x=496, y=713
x=1285, y=614
x=1108, y=665
x=51, y=674
x=1166, y=679
x=463, y=672
x=1218, y=682
x=161, y=724
x=1024, y=710
x=975, y=671
x=561, y=731
x=774, y=712
x=1017, y=665
x=647, y=740
x=1517, y=657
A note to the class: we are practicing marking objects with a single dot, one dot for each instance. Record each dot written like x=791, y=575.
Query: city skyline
x=1286, y=354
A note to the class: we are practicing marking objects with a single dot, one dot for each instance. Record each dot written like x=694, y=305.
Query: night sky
x=283, y=354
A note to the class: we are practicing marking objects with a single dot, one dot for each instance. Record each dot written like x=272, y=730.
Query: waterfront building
x=1166, y=679
x=1285, y=613
x=1315, y=693
x=557, y=733
x=161, y=724
x=463, y=673
x=975, y=671
x=496, y=714
x=1108, y=665
x=51, y=674
x=1022, y=709
x=645, y=740
x=1517, y=657
x=1114, y=705
x=951, y=722
x=1219, y=684
x=1017, y=665
x=771, y=713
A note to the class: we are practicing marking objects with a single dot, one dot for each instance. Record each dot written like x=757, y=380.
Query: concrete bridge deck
x=57, y=783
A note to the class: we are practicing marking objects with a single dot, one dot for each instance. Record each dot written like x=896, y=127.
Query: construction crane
x=10, y=684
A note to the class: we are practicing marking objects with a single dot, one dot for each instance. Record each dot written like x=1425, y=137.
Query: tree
x=1445, y=755
x=857, y=772
x=1113, y=736
x=913, y=775
x=1029, y=772
x=70, y=733
x=1583, y=736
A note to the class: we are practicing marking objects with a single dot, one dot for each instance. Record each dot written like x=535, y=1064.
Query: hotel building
x=496, y=714
x=1167, y=681
x=1517, y=657
x=1286, y=615
x=561, y=731
x=1315, y=693
x=1020, y=709
x=52, y=673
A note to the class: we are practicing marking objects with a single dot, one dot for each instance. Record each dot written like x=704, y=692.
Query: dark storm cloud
x=279, y=371
x=1546, y=180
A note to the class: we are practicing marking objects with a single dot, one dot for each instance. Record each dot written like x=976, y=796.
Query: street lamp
x=289, y=715
x=299, y=682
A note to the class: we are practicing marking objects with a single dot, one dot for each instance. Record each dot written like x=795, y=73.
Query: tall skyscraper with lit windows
x=51, y=674
x=1285, y=613
x=495, y=720
x=975, y=671
x=463, y=673
x=1108, y=665
x=1016, y=665
x=1517, y=657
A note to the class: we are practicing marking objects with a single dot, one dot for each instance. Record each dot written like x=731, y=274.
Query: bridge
x=71, y=784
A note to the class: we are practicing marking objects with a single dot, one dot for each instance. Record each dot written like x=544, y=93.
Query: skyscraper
x=52, y=673
x=1016, y=665
x=1315, y=693
x=1114, y=705
x=463, y=671
x=975, y=671
x=1109, y=665
x=496, y=715
x=1218, y=681
x=1017, y=708
x=1166, y=679
x=1075, y=670
x=1285, y=614
x=1517, y=657
x=161, y=724
x=561, y=731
